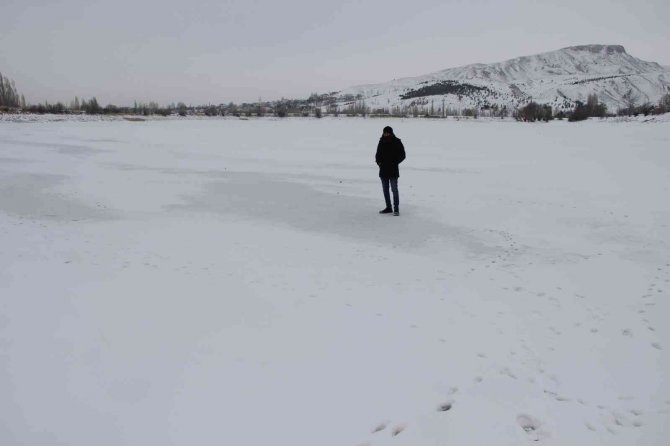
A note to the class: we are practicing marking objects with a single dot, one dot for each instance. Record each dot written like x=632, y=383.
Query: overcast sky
x=206, y=51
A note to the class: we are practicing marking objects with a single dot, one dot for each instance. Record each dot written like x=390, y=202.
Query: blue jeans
x=393, y=182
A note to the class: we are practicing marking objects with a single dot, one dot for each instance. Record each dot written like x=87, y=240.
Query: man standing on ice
x=390, y=153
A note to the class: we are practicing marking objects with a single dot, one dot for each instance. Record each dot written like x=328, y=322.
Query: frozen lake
x=229, y=282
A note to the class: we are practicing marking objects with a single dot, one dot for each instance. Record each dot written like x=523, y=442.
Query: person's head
x=388, y=131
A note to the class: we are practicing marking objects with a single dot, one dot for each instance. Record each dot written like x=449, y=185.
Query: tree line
x=593, y=108
x=542, y=112
x=331, y=104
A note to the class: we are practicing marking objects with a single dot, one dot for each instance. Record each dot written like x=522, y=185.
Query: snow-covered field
x=229, y=282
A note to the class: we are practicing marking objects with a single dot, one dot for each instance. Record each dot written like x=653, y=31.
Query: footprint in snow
x=507, y=372
x=397, y=429
x=380, y=427
x=530, y=426
x=445, y=406
x=619, y=419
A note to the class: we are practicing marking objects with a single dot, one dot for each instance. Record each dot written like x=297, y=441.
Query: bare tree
x=630, y=99
x=182, y=110
x=9, y=97
x=595, y=107
x=664, y=103
x=2, y=90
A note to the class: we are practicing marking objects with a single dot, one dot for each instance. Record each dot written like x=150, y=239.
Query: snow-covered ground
x=228, y=282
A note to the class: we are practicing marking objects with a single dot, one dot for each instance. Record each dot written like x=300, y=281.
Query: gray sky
x=201, y=51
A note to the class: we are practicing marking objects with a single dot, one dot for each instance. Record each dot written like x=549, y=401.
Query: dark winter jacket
x=390, y=153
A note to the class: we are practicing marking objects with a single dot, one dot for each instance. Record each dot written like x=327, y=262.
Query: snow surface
x=228, y=282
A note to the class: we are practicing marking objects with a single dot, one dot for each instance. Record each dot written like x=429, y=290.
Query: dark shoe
x=386, y=211
x=396, y=212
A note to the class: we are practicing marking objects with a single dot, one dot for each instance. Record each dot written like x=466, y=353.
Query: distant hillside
x=558, y=78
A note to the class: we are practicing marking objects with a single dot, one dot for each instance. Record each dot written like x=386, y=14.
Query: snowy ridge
x=558, y=78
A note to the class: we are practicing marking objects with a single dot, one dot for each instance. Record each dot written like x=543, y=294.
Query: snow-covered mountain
x=558, y=78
